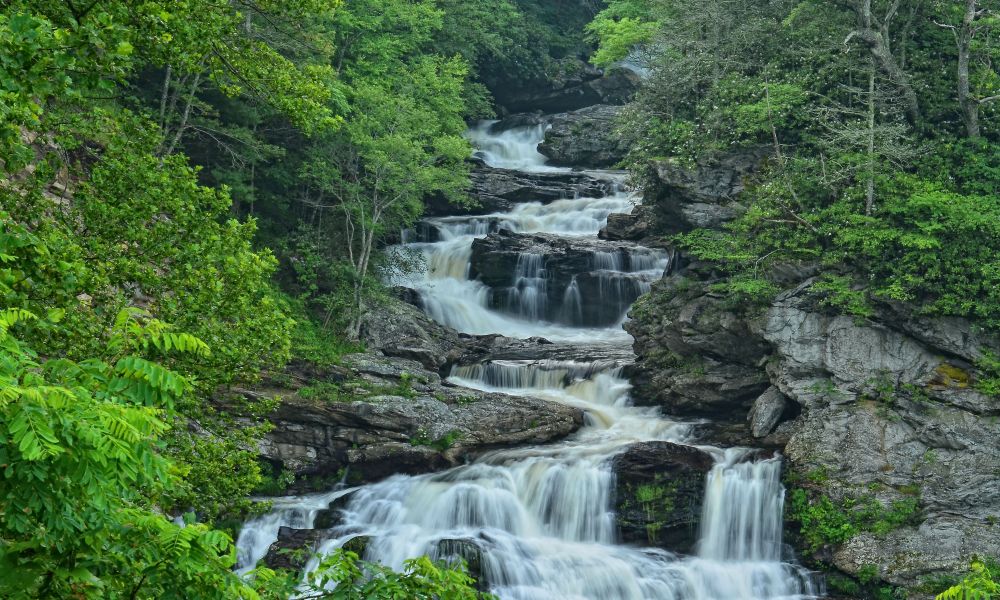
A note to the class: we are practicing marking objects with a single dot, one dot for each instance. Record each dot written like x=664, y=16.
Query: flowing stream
x=540, y=520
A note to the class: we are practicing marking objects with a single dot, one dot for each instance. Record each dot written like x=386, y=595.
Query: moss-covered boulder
x=659, y=489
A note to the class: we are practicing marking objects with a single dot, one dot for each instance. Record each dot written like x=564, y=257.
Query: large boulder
x=390, y=415
x=659, y=490
x=768, y=410
x=400, y=329
x=585, y=138
x=640, y=226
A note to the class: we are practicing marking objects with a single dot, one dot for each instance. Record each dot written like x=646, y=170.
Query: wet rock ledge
x=390, y=411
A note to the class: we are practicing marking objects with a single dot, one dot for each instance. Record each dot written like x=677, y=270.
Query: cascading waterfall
x=528, y=297
x=541, y=519
x=515, y=148
x=572, y=303
x=749, y=530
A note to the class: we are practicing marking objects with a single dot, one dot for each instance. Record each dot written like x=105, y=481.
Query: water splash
x=515, y=148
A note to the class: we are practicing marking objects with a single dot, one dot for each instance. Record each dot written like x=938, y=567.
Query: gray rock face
x=695, y=356
x=659, y=491
x=638, y=226
x=393, y=416
x=545, y=276
x=584, y=138
x=703, y=195
x=884, y=408
x=402, y=330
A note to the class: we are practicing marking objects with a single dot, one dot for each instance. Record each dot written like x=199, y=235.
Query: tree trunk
x=876, y=39
x=870, y=184
x=968, y=104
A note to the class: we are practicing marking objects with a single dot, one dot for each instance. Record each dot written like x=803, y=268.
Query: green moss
x=657, y=500
x=949, y=375
x=825, y=522
x=448, y=440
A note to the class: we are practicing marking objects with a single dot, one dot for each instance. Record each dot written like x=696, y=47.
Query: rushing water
x=541, y=519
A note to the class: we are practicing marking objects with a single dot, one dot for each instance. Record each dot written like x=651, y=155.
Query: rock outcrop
x=696, y=356
x=499, y=190
x=882, y=412
x=880, y=408
x=545, y=276
x=659, y=490
x=701, y=195
x=584, y=138
x=377, y=416
x=638, y=226
x=571, y=84
x=401, y=330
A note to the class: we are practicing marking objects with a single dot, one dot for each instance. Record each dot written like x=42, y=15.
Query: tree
x=972, y=38
x=401, y=142
x=978, y=585
x=874, y=31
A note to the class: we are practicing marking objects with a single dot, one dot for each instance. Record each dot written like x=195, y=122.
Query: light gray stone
x=766, y=412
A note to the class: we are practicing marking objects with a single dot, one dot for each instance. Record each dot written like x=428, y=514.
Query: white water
x=543, y=517
x=512, y=149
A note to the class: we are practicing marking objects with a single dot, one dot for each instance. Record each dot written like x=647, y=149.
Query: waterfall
x=299, y=512
x=542, y=518
x=572, y=304
x=742, y=517
x=528, y=296
x=515, y=148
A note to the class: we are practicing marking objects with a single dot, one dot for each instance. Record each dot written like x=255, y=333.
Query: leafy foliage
x=342, y=576
x=826, y=522
x=978, y=585
x=82, y=471
x=891, y=191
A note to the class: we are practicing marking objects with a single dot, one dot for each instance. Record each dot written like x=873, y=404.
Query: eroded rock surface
x=881, y=408
x=378, y=416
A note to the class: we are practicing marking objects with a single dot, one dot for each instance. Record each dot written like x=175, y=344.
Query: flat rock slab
x=391, y=415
